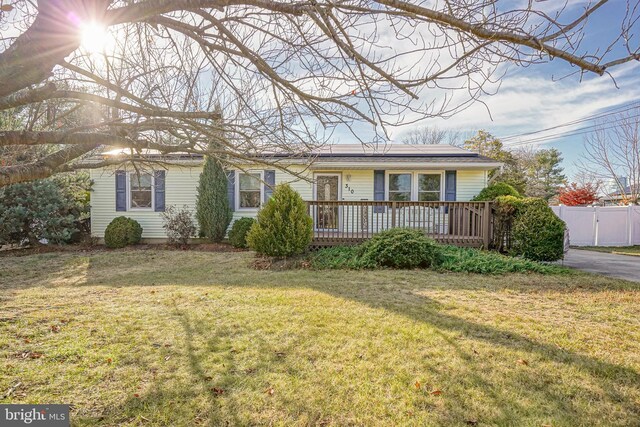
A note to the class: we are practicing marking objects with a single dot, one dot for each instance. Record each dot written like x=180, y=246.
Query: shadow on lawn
x=214, y=390
x=422, y=309
x=608, y=380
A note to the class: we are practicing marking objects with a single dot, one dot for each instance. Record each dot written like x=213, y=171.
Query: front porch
x=351, y=222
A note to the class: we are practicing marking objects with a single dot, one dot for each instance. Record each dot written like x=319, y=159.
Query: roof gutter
x=404, y=165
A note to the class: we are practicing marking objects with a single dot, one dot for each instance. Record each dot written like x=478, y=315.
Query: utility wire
x=574, y=132
x=612, y=111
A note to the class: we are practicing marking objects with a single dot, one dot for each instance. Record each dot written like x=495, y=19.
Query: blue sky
x=536, y=97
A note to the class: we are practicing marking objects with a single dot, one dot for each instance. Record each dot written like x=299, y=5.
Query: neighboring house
x=619, y=198
x=365, y=180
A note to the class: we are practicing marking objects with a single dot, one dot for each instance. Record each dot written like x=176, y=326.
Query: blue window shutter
x=158, y=181
x=231, y=189
x=270, y=183
x=450, y=179
x=378, y=189
x=121, y=191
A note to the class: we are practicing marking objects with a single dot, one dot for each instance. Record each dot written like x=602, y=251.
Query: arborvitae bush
x=283, y=227
x=121, y=232
x=212, y=206
x=239, y=230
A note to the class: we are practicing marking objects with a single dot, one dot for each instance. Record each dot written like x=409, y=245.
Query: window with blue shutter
x=270, y=183
x=378, y=189
x=121, y=191
x=231, y=189
x=159, y=189
x=450, y=179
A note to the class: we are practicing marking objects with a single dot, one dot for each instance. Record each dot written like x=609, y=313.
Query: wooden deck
x=347, y=223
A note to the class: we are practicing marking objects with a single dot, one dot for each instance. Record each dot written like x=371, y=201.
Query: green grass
x=182, y=338
x=454, y=259
x=619, y=250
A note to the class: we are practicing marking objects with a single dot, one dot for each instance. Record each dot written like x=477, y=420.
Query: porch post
x=486, y=225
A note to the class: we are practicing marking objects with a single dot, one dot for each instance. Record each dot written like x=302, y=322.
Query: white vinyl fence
x=601, y=226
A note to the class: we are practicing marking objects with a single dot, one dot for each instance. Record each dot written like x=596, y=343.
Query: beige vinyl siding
x=469, y=183
x=180, y=189
x=182, y=182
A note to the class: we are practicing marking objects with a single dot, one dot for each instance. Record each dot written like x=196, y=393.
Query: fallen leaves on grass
x=436, y=392
x=29, y=355
x=270, y=391
x=523, y=362
x=12, y=389
x=417, y=384
x=217, y=391
x=55, y=329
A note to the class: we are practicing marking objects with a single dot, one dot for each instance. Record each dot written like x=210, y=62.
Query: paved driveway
x=621, y=266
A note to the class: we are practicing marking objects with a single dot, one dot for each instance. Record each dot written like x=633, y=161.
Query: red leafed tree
x=574, y=195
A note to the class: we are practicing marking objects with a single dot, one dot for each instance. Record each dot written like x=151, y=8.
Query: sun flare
x=95, y=38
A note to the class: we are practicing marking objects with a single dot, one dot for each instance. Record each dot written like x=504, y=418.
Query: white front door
x=327, y=188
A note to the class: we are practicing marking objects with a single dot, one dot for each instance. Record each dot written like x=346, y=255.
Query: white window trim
x=414, y=181
x=153, y=193
x=237, y=190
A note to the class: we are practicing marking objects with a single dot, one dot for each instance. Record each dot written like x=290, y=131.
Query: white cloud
x=528, y=102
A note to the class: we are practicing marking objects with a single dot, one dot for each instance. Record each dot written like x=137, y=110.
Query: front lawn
x=179, y=338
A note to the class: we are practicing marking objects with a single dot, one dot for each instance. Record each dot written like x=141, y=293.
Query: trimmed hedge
x=121, y=232
x=239, y=230
x=283, y=227
x=538, y=233
x=496, y=190
x=400, y=248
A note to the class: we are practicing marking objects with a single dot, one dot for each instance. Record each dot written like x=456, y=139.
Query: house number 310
x=349, y=189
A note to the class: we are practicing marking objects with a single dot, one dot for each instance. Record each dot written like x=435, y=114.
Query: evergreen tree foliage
x=488, y=145
x=54, y=209
x=544, y=173
x=212, y=205
x=283, y=228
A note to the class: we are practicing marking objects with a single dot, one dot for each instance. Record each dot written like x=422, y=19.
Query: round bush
x=496, y=190
x=239, y=230
x=538, y=233
x=401, y=248
x=283, y=227
x=121, y=232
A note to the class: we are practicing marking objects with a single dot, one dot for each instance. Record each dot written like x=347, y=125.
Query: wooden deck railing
x=350, y=222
